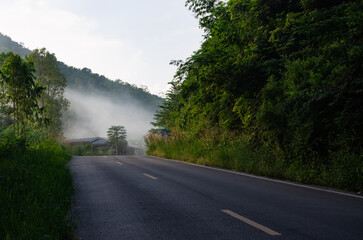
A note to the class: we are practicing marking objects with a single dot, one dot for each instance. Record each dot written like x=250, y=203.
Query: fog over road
x=135, y=197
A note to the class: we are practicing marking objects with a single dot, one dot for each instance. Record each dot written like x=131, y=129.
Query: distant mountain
x=8, y=45
x=85, y=80
x=91, y=96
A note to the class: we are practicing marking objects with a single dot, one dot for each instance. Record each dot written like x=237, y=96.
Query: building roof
x=100, y=141
x=94, y=140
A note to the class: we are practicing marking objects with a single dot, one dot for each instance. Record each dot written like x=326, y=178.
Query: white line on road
x=120, y=163
x=252, y=223
x=149, y=176
x=264, y=178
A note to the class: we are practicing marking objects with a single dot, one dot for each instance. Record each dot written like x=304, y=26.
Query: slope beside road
x=135, y=197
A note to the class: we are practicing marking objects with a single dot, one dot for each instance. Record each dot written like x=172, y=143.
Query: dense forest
x=275, y=89
x=8, y=45
x=86, y=81
x=33, y=175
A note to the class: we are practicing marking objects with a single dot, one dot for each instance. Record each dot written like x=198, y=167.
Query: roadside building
x=98, y=145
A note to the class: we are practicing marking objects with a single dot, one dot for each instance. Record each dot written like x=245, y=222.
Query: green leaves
x=117, y=137
x=19, y=89
x=283, y=77
x=54, y=83
x=285, y=74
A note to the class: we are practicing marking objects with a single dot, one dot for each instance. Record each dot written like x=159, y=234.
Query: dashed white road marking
x=149, y=176
x=252, y=223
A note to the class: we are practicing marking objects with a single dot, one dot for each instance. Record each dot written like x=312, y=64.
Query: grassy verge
x=35, y=190
x=86, y=150
x=340, y=170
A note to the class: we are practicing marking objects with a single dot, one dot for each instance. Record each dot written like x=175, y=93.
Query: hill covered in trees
x=96, y=102
x=8, y=45
x=86, y=81
x=275, y=89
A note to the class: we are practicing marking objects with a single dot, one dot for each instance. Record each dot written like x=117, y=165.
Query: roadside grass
x=85, y=150
x=342, y=171
x=35, y=190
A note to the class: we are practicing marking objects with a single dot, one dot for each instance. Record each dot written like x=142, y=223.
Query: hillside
x=275, y=89
x=8, y=45
x=85, y=80
x=97, y=102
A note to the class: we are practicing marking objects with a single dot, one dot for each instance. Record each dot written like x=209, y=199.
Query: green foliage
x=7, y=45
x=117, y=137
x=285, y=75
x=5, y=117
x=86, y=150
x=35, y=189
x=35, y=185
x=19, y=90
x=52, y=99
x=10, y=144
x=230, y=150
x=84, y=80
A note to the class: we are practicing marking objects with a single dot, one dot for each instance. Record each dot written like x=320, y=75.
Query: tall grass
x=35, y=189
x=86, y=150
x=228, y=150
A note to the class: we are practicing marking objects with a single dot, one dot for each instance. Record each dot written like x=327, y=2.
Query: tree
x=285, y=74
x=52, y=99
x=117, y=137
x=19, y=90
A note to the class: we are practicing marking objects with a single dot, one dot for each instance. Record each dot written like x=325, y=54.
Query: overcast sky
x=121, y=39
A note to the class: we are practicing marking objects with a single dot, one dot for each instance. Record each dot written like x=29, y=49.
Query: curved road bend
x=135, y=197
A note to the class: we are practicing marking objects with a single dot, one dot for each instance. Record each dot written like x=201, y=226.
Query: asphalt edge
x=317, y=188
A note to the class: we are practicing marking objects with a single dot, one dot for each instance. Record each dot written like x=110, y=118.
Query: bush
x=35, y=190
x=229, y=150
x=10, y=144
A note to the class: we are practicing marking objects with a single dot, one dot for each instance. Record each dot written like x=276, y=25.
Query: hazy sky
x=122, y=39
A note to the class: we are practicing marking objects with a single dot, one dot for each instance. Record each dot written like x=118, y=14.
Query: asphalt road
x=134, y=197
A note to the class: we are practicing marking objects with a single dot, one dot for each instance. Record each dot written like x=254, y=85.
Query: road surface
x=136, y=197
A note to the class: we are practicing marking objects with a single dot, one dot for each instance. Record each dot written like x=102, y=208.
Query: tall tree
x=20, y=91
x=117, y=137
x=285, y=74
x=52, y=99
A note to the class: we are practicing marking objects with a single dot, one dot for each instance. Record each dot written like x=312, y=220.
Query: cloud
x=92, y=113
x=74, y=38
x=129, y=40
x=176, y=33
x=41, y=24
